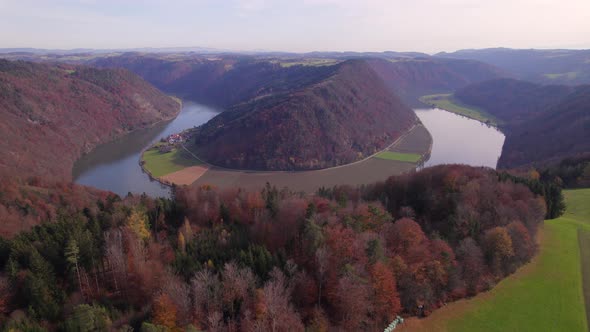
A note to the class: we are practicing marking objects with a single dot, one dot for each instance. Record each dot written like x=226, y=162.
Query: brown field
x=185, y=176
x=414, y=142
x=369, y=171
x=364, y=172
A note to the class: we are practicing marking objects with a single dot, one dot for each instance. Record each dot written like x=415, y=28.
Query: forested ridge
x=346, y=258
x=50, y=114
x=343, y=118
x=543, y=123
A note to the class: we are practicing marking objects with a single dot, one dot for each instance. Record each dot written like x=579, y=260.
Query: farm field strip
x=449, y=103
x=159, y=164
x=398, y=156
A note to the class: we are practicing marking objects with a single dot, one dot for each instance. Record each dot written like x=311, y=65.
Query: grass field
x=308, y=62
x=397, y=156
x=545, y=295
x=448, y=103
x=572, y=75
x=159, y=164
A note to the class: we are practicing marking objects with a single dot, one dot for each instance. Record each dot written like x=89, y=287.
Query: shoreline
x=425, y=154
x=482, y=116
x=180, y=105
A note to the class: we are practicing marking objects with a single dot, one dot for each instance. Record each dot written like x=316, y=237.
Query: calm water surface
x=460, y=140
x=115, y=166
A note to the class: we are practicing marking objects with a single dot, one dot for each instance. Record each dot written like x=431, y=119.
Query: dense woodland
x=513, y=101
x=257, y=261
x=229, y=79
x=543, y=124
x=346, y=117
x=51, y=114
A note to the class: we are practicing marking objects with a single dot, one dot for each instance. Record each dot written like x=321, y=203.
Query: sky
x=296, y=25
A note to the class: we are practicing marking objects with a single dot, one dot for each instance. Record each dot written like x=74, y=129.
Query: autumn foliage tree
x=386, y=301
x=216, y=260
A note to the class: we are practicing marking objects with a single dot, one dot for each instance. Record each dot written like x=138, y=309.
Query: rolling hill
x=570, y=67
x=416, y=77
x=345, y=117
x=222, y=81
x=52, y=114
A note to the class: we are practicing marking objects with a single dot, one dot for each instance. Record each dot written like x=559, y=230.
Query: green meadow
x=397, y=156
x=545, y=295
x=160, y=164
x=448, y=103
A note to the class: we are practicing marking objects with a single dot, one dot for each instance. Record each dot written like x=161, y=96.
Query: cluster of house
x=171, y=142
x=175, y=138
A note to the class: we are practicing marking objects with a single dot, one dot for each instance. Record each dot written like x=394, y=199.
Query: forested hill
x=206, y=260
x=513, y=100
x=563, y=130
x=222, y=81
x=411, y=78
x=229, y=79
x=343, y=118
x=51, y=114
x=543, y=123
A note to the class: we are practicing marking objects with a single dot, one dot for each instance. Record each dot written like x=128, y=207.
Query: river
x=461, y=140
x=114, y=166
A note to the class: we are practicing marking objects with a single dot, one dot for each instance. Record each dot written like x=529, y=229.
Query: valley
x=124, y=174
x=321, y=180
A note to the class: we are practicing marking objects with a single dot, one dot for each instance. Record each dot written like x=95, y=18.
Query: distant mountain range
x=202, y=50
x=264, y=89
x=571, y=67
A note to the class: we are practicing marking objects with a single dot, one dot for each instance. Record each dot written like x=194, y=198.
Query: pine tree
x=72, y=253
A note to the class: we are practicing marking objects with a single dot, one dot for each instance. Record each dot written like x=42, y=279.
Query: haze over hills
x=51, y=114
x=555, y=66
x=543, y=123
x=346, y=116
x=412, y=78
x=409, y=75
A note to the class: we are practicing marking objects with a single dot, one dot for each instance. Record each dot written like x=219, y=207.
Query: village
x=169, y=143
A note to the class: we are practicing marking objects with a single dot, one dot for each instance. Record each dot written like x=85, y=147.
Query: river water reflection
x=460, y=140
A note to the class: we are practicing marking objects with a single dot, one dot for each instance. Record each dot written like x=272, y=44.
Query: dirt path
x=584, y=243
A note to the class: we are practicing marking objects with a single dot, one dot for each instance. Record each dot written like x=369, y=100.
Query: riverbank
x=114, y=166
x=408, y=151
x=449, y=103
